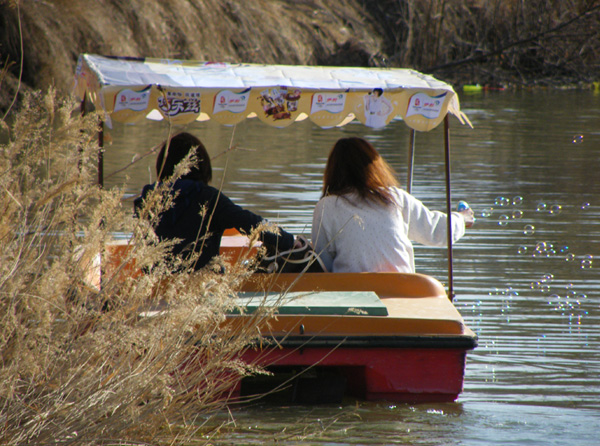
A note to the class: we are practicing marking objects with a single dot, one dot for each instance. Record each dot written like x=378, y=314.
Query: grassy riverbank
x=490, y=42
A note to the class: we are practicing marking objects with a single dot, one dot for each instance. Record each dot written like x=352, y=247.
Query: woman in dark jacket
x=200, y=213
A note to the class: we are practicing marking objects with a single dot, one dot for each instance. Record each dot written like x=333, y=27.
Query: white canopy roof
x=130, y=89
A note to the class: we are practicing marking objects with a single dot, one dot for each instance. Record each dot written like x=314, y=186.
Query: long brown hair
x=173, y=151
x=354, y=165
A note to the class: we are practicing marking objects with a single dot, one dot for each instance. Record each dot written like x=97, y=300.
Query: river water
x=526, y=276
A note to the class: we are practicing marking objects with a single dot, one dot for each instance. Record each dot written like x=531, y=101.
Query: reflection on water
x=526, y=276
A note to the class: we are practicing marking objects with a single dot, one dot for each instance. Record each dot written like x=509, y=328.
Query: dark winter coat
x=202, y=231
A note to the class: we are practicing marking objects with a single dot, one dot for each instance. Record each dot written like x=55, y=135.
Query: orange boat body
x=408, y=344
x=414, y=353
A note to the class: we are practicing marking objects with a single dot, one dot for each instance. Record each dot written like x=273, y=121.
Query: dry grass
x=78, y=364
x=55, y=32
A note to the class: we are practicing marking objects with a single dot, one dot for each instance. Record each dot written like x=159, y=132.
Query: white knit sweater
x=353, y=235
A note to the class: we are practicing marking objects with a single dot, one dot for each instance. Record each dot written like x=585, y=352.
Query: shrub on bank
x=88, y=362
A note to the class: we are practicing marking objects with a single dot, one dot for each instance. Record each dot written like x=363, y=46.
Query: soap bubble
x=556, y=209
x=570, y=257
x=544, y=287
x=502, y=201
x=541, y=207
x=529, y=230
x=586, y=263
x=585, y=205
x=517, y=214
x=548, y=277
x=522, y=249
x=552, y=298
x=517, y=200
x=503, y=220
x=578, y=139
x=486, y=213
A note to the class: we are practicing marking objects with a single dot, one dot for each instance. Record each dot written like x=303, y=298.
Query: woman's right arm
x=430, y=227
x=230, y=215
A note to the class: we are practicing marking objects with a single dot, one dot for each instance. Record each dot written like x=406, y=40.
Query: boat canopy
x=131, y=89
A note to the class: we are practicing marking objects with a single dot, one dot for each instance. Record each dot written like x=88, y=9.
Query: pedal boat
x=387, y=336
x=372, y=336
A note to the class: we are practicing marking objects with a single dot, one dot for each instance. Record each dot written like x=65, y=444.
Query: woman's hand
x=298, y=243
x=468, y=216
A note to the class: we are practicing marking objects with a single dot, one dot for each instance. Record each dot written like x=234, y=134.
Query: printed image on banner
x=228, y=101
x=327, y=109
x=328, y=102
x=279, y=103
x=179, y=105
x=378, y=108
x=128, y=99
x=128, y=105
x=427, y=106
x=375, y=108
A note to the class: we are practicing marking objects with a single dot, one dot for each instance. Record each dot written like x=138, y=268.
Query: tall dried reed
x=83, y=363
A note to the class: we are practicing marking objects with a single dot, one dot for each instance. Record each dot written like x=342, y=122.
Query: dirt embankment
x=493, y=42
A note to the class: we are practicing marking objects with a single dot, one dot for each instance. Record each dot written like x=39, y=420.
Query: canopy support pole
x=101, y=152
x=82, y=110
x=101, y=184
x=83, y=107
x=448, y=206
x=411, y=160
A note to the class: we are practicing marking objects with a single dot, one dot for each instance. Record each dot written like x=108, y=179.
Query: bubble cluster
x=567, y=300
x=506, y=295
x=509, y=292
x=545, y=249
x=570, y=303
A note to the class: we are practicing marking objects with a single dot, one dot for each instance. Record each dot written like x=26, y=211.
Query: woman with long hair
x=200, y=213
x=365, y=222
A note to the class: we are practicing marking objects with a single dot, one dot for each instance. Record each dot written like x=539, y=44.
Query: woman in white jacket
x=365, y=223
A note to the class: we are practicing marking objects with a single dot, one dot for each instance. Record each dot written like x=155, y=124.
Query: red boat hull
x=391, y=374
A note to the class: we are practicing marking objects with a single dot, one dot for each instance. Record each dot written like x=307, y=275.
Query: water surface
x=526, y=277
